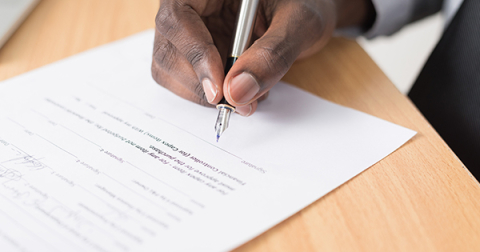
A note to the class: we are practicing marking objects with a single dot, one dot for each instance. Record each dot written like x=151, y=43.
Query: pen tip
x=218, y=137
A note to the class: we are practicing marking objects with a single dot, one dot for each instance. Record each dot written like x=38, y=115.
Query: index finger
x=181, y=24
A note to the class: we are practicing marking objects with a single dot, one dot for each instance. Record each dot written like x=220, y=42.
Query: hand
x=192, y=39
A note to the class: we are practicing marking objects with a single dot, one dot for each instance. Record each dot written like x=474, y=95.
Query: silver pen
x=241, y=40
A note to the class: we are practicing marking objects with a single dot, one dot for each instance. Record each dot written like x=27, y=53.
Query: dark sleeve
x=392, y=15
x=424, y=8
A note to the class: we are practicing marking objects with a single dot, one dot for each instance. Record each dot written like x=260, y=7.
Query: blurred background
x=402, y=55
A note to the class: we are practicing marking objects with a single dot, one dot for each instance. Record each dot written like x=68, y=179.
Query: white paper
x=95, y=156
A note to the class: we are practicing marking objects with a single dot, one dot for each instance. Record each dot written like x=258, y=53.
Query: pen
x=241, y=38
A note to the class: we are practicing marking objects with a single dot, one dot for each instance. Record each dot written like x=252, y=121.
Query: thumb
x=259, y=68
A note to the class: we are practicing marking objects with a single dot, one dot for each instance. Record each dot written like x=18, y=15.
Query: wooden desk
x=420, y=198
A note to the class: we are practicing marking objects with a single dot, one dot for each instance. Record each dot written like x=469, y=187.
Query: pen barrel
x=230, y=61
x=242, y=35
x=244, y=27
x=228, y=65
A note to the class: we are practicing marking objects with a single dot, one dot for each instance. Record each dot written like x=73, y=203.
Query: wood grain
x=420, y=198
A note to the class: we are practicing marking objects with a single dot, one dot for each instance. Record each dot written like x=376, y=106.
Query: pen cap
x=244, y=26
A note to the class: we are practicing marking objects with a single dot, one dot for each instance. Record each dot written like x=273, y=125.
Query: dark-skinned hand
x=192, y=39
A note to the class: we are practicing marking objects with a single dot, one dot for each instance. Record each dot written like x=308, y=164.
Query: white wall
x=403, y=55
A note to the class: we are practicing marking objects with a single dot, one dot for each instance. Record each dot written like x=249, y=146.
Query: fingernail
x=243, y=88
x=244, y=110
x=209, y=89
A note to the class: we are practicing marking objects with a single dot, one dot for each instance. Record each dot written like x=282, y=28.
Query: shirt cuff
x=391, y=16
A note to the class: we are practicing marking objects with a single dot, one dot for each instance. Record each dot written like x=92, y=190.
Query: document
x=95, y=156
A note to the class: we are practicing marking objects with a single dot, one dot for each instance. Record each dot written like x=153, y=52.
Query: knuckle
x=192, y=93
x=199, y=95
x=164, y=54
x=167, y=21
x=306, y=11
x=196, y=54
x=199, y=92
x=308, y=21
x=275, y=58
x=202, y=101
